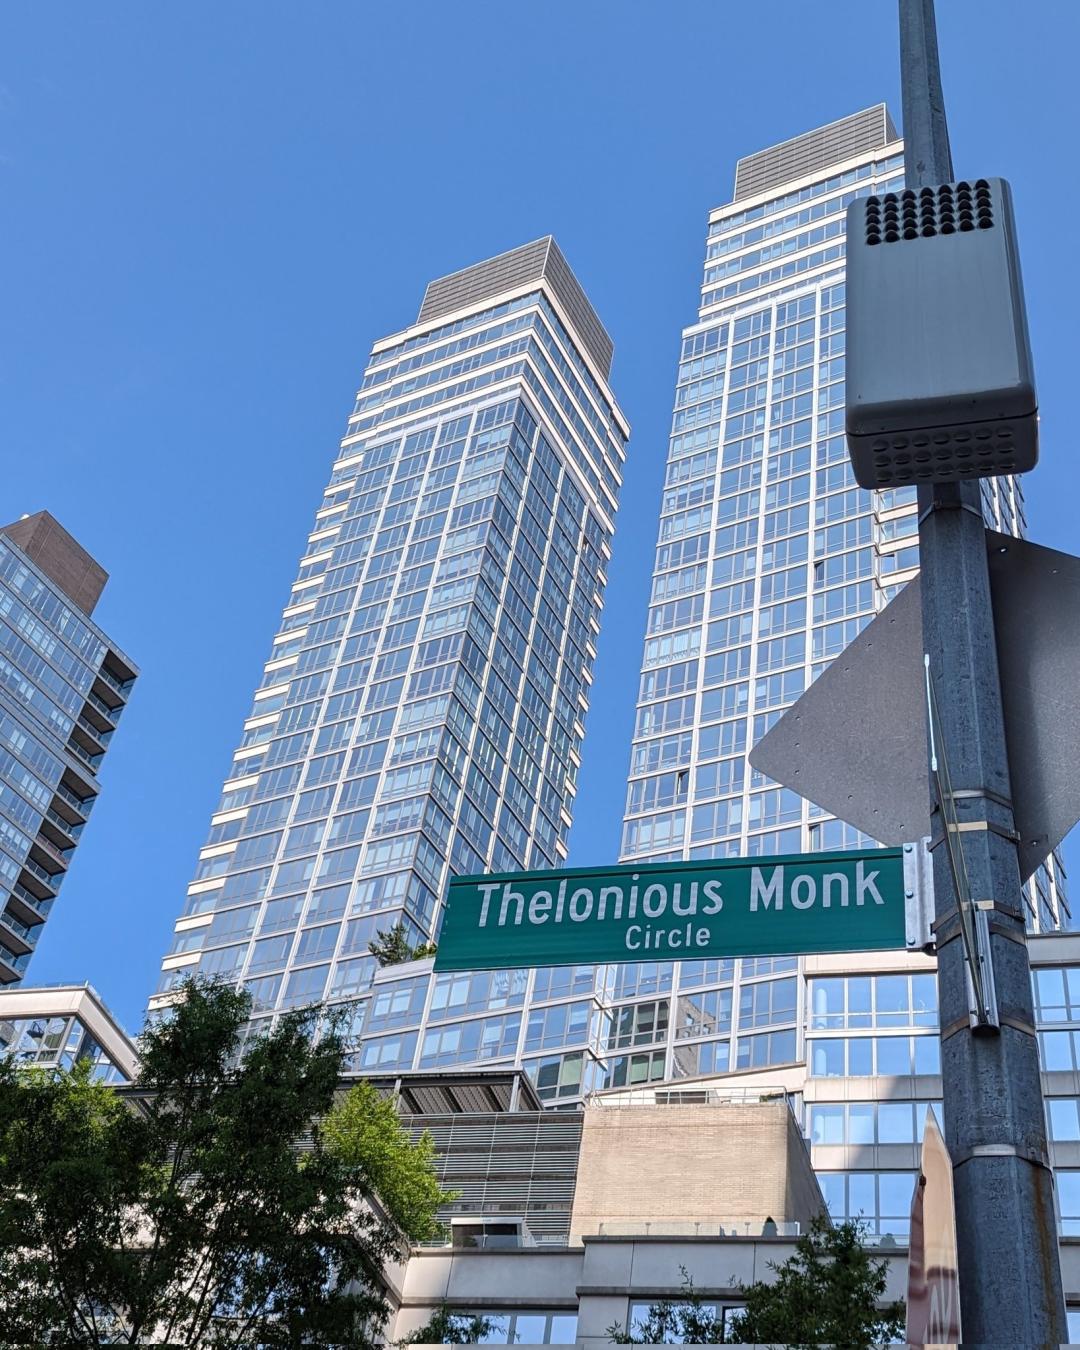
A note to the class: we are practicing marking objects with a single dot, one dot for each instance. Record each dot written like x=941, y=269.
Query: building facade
x=769, y=561
x=63, y=685
x=421, y=712
x=59, y=1026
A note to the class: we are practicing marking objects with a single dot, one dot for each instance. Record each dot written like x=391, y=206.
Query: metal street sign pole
x=1010, y=1277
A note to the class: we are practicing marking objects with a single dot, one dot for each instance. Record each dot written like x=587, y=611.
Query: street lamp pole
x=1010, y=1276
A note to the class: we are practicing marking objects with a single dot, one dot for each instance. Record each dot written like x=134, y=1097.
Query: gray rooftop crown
x=814, y=150
x=541, y=260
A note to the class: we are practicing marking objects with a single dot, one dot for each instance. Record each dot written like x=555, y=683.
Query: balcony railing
x=28, y=933
x=77, y=803
x=16, y=964
x=668, y=1228
x=51, y=851
x=32, y=902
x=72, y=831
x=662, y=1095
x=76, y=749
x=106, y=677
x=98, y=736
x=103, y=708
x=49, y=879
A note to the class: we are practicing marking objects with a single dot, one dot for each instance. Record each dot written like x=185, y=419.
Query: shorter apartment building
x=63, y=685
x=58, y=1025
x=703, y=1182
x=574, y=1296
x=707, y=1189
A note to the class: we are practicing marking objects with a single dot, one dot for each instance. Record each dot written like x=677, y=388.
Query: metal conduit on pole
x=1010, y=1277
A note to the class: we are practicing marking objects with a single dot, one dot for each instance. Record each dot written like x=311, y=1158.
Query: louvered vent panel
x=508, y=1164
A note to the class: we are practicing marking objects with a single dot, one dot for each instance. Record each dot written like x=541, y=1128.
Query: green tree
x=689, y=1321
x=827, y=1293
x=226, y=1200
x=449, y=1328
x=392, y=946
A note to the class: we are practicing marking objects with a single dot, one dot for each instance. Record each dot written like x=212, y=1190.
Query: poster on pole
x=933, y=1293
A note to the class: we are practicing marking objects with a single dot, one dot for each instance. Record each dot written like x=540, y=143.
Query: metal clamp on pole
x=982, y=996
x=919, y=896
x=974, y=925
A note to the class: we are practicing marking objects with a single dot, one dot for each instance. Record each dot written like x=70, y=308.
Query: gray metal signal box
x=940, y=385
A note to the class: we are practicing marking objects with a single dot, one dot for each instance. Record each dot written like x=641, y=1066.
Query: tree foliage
x=687, y=1321
x=227, y=1200
x=363, y=1131
x=392, y=946
x=827, y=1293
x=449, y=1328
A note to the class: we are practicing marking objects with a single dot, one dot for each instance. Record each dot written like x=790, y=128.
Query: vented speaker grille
x=953, y=208
x=924, y=456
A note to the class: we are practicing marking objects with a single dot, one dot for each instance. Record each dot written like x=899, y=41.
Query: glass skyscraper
x=63, y=685
x=769, y=561
x=421, y=711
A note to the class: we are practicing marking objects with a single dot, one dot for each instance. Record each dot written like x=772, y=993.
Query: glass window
x=893, y=1055
x=645, y=977
x=1061, y=1113
x=558, y=1076
x=305, y=986
x=691, y=1059
x=861, y=1122
x=1068, y=1195
x=525, y=1327
x=892, y=999
x=638, y=1024
x=827, y=1003
x=562, y=981
x=640, y=1310
x=704, y=1014
x=630, y=1070
x=827, y=1059
x=895, y=1123
x=927, y=1054
x=479, y=1039
x=693, y=974
x=1058, y=1049
x=561, y=1024
x=767, y=965
x=1057, y=994
x=773, y=1047
x=826, y=1124
x=482, y=991
x=766, y=1004
x=882, y=1200
x=883, y=1001
x=860, y=1056
x=396, y=1005
x=388, y=1052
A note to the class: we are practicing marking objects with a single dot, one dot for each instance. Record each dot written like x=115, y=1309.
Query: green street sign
x=803, y=902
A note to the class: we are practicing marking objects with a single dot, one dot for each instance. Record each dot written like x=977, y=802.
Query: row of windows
x=861, y=1056
x=868, y=1122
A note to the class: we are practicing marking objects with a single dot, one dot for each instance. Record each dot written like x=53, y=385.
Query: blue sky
x=209, y=212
